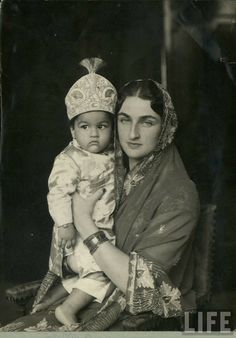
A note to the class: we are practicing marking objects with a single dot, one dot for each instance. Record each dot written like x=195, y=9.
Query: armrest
x=204, y=254
x=22, y=292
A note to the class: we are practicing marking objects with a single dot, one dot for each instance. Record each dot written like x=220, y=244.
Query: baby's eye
x=83, y=126
x=102, y=126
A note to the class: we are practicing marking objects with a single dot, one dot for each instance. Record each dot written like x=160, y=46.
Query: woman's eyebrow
x=144, y=117
x=141, y=118
x=124, y=114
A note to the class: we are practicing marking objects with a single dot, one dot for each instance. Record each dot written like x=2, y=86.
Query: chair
x=22, y=294
x=204, y=254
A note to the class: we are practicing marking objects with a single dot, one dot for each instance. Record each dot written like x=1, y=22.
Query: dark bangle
x=95, y=240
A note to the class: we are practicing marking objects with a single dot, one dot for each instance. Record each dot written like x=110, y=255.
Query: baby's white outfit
x=76, y=169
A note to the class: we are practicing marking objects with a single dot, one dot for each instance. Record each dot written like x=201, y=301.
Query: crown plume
x=92, y=64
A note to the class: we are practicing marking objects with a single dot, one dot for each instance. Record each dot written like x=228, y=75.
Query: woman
x=151, y=266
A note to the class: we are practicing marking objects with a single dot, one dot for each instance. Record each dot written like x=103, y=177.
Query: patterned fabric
x=155, y=220
x=48, y=281
x=150, y=289
x=76, y=169
x=91, y=92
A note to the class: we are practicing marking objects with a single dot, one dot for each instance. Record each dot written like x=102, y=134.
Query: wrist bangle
x=95, y=240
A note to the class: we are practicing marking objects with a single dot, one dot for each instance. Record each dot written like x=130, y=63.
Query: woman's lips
x=134, y=145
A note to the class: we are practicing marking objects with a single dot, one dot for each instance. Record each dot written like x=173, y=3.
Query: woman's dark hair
x=144, y=89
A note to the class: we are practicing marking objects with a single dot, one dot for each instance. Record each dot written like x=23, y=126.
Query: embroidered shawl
x=157, y=211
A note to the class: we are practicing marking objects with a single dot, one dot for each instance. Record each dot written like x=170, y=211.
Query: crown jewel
x=91, y=92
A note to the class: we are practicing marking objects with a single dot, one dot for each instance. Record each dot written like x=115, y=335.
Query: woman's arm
x=113, y=262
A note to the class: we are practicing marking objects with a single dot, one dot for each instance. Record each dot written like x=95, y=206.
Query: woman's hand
x=83, y=210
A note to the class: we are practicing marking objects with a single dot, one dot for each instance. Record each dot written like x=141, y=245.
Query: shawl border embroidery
x=149, y=289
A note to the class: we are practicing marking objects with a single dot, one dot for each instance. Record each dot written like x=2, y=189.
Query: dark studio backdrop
x=189, y=44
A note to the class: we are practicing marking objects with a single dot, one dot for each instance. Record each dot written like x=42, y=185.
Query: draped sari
x=157, y=212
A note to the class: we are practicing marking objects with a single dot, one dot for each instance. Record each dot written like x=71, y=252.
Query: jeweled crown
x=91, y=92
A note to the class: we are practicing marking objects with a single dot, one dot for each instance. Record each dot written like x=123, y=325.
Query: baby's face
x=93, y=131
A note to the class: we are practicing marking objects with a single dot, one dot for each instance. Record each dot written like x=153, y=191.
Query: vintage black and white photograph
x=118, y=186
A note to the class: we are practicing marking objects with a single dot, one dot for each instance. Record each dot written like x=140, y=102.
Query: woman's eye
x=148, y=123
x=123, y=120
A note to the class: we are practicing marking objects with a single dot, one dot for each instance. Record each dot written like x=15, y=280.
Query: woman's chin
x=131, y=152
x=136, y=154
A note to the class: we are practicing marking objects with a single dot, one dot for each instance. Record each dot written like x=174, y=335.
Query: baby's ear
x=72, y=132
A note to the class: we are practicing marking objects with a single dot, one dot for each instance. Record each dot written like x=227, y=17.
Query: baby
x=86, y=165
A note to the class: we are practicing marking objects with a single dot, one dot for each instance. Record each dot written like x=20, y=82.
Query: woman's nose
x=134, y=132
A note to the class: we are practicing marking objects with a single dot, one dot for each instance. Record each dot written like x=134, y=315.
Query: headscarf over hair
x=169, y=125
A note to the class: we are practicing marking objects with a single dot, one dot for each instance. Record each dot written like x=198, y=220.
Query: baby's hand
x=67, y=234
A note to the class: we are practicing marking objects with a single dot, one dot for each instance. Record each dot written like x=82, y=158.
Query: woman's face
x=139, y=127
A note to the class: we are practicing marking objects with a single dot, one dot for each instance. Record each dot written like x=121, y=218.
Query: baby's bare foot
x=64, y=315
